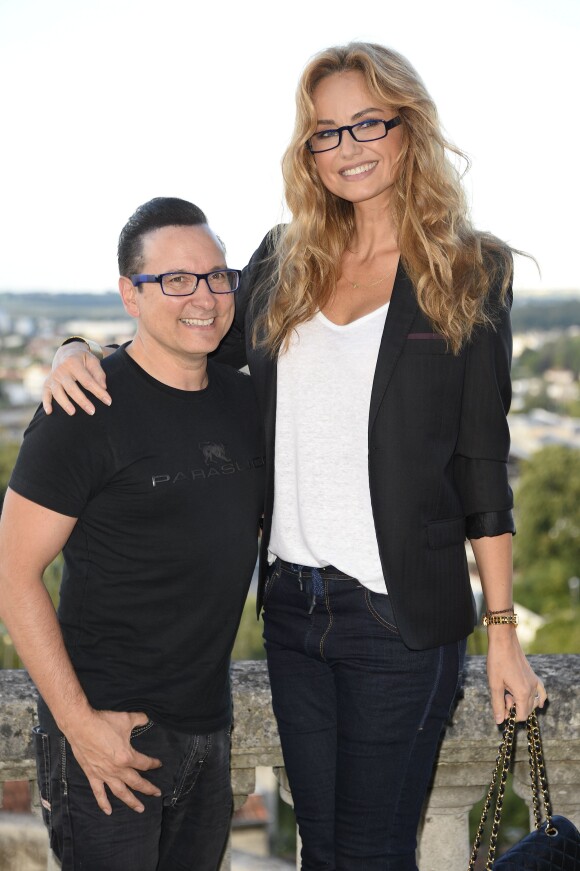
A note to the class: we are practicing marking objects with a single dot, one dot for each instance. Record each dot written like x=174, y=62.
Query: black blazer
x=438, y=451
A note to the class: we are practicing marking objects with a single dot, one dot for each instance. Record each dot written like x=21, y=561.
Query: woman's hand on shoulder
x=74, y=365
x=512, y=680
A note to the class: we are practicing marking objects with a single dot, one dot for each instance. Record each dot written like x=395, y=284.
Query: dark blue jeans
x=359, y=715
x=186, y=829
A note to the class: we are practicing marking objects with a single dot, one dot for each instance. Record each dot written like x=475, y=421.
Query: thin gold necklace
x=357, y=284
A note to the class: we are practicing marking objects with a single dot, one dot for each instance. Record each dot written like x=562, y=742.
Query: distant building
x=538, y=428
x=102, y=331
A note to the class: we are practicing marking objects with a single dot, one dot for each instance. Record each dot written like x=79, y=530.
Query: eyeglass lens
x=366, y=131
x=184, y=283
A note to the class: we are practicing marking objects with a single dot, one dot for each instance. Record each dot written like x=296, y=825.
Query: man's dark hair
x=158, y=212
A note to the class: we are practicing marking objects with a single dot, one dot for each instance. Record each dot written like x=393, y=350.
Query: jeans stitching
x=270, y=583
x=179, y=787
x=67, y=847
x=330, y=622
x=178, y=793
x=46, y=766
x=376, y=614
x=396, y=806
x=139, y=730
x=63, y=779
x=45, y=800
x=433, y=689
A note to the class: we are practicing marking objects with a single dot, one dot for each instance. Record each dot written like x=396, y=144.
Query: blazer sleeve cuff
x=489, y=524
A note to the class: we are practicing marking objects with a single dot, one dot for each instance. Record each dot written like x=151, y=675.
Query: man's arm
x=30, y=538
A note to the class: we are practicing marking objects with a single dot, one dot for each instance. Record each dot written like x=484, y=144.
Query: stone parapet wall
x=464, y=766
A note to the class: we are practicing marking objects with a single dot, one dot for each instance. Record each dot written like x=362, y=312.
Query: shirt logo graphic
x=214, y=452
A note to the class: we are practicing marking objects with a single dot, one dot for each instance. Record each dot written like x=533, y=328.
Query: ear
x=129, y=295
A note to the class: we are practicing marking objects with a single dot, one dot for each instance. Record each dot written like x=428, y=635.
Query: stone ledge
x=463, y=770
x=470, y=735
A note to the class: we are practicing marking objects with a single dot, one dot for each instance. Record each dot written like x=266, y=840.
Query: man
x=155, y=502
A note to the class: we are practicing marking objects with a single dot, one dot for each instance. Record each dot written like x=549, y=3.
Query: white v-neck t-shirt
x=322, y=504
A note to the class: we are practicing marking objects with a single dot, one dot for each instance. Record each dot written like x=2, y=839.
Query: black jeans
x=186, y=829
x=359, y=715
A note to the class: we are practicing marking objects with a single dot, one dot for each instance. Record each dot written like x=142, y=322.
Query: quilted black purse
x=553, y=845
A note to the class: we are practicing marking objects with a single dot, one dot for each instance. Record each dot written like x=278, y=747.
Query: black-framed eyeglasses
x=186, y=283
x=364, y=131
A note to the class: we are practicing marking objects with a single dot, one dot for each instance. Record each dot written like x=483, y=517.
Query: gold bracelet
x=93, y=347
x=490, y=619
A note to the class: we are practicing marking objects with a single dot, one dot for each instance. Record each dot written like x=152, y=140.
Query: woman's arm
x=75, y=364
x=480, y=467
x=511, y=678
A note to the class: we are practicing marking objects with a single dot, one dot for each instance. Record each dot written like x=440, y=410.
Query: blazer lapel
x=402, y=310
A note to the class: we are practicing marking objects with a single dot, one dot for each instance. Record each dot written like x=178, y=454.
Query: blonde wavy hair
x=452, y=266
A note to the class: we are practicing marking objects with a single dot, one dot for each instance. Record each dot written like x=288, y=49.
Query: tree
x=249, y=643
x=547, y=544
x=560, y=635
x=8, y=454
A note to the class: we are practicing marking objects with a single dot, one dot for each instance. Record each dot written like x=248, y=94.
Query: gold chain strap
x=499, y=778
x=538, y=775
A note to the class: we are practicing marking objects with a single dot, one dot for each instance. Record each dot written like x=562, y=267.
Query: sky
x=107, y=103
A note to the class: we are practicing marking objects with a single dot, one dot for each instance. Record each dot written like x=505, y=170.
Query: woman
x=376, y=327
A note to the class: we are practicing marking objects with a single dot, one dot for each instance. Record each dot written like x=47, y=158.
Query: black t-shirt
x=167, y=486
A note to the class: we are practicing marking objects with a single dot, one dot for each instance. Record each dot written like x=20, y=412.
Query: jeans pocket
x=380, y=608
x=140, y=730
x=42, y=751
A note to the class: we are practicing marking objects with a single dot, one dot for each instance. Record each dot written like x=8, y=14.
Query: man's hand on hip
x=101, y=744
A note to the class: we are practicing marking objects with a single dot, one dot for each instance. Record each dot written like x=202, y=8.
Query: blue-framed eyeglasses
x=186, y=283
x=364, y=131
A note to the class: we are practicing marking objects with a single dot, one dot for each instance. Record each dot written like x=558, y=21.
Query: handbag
x=553, y=845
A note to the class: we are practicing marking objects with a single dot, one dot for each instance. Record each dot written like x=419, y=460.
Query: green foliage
x=544, y=314
x=543, y=587
x=515, y=819
x=571, y=408
x=249, y=644
x=65, y=306
x=547, y=545
x=8, y=454
x=52, y=578
x=548, y=513
x=284, y=838
x=8, y=656
x=563, y=353
x=543, y=400
x=477, y=642
x=560, y=635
